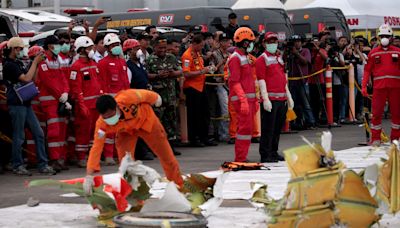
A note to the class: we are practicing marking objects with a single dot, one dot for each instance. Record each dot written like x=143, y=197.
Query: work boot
x=21, y=170
x=63, y=164
x=278, y=157
x=255, y=140
x=376, y=143
x=145, y=157
x=231, y=141
x=81, y=163
x=47, y=170
x=176, y=153
x=110, y=161
x=209, y=143
x=55, y=165
x=197, y=144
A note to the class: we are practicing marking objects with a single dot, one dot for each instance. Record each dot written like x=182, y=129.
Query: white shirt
x=97, y=56
x=142, y=56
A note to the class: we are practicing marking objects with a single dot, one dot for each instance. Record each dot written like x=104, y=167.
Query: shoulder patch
x=44, y=67
x=101, y=134
x=73, y=75
x=187, y=62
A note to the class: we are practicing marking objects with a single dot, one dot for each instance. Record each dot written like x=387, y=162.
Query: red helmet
x=270, y=35
x=3, y=45
x=34, y=50
x=129, y=44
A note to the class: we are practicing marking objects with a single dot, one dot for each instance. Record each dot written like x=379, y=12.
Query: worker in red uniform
x=53, y=87
x=242, y=91
x=85, y=89
x=113, y=78
x=383, y=70
x=130, y=115
x=30, y=143
x=270, y=70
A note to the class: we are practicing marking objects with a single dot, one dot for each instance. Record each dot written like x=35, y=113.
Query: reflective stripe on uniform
x=112, y=94
x=56, y=120
x=248, y=95
x=91, y=97
x=87, y=68
x=82, y=149
x=35, y=102
x=30, y=142
x=277, y=95
x=386, y=77
x=47, y=98
x=395, y=126
x=376, y=127
x=243, y=137
x=109, y=141
x=243, y=59
x=55, y=144
x=71, y=139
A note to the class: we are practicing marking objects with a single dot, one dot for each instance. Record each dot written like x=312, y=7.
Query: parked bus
x=311, y=21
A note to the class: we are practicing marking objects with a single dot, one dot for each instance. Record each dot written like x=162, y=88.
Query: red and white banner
x=357, y=22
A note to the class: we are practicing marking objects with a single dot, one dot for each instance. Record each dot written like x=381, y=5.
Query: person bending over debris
x=129, y=115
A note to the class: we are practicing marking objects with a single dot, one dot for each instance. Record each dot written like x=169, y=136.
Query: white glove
x=158, y=102
x=88, y=185
x=267, y=105
x=63, y=98
x=136, y=169
x=68, y=106
x=290, y=103
x=289, y=97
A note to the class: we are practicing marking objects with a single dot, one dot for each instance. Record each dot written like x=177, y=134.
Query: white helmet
x=83, y=41
x=385, y=30
x=111, y=38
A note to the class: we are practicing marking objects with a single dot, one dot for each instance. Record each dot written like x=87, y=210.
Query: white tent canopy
x=364, y=14
x=296, y=4
x=246, y=4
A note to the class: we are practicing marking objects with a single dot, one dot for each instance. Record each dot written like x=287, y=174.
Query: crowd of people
x=51, y=104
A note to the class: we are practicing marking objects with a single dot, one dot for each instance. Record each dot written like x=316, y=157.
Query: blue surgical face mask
x=271, y=48
x=65, y=48
x=20, y=54
x=117, y=50
x=56, y=49
x=113, y=120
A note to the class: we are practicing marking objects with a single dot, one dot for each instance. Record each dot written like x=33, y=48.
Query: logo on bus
x=166, y=19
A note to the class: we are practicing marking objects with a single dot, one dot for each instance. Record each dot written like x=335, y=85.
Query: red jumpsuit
x=52, y=84
x=241, y=75
x=383, y=68
x=85, y=89
x=270, y=68
x=113, y=78
x=65, y=65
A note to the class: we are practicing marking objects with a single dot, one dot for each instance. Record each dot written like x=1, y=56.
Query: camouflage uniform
x=167, y=88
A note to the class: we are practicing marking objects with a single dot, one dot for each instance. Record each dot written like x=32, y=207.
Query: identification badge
x=44, y=67
x=73, y=75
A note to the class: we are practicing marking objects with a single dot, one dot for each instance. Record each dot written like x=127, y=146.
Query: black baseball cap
x=142, y=36
x=53, y=39
x=223, y=36
x=196, y=28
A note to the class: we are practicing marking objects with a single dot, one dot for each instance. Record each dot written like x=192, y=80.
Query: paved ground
x=193, y=160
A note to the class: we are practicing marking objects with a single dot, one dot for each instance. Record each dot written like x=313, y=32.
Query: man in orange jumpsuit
x=383, y=68
x=242, y=91
x=114, y=78
x=85, y=89
x=130, y=116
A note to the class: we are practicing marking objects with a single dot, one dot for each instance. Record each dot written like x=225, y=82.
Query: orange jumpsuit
x=139, y=120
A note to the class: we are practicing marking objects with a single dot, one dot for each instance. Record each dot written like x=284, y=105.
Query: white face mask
x=250, y=47
x=113, y=120
x=91, y=54
x=385, y=41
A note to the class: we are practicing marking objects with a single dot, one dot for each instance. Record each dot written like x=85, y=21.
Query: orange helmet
x=130, y=43
x=34, y=50
x=243, y=33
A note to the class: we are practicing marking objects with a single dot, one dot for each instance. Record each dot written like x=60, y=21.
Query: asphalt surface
x=13, y=190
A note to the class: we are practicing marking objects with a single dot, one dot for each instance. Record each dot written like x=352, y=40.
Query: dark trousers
x=317, y=102
x=198, y=114
x=271, y=126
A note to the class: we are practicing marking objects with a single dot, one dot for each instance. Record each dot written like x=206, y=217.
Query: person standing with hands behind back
x=22, y=113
